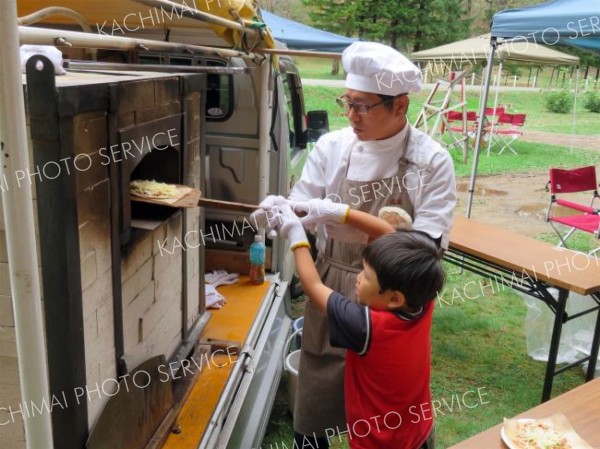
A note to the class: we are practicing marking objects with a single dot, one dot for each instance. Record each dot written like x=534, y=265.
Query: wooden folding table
x=579, y=405
x=532, y=267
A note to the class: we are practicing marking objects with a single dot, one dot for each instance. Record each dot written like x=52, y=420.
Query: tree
x=412, y=25
x=336, y=16
x=290, y=9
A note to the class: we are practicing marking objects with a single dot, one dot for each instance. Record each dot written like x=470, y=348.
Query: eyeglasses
x=361, y=109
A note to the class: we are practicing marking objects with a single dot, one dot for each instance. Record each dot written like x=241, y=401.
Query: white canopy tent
x=476, y=50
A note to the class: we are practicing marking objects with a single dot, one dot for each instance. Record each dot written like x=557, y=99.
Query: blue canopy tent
x=298, y=36
x=570, y=22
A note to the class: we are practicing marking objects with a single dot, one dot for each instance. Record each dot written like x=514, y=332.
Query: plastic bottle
x=257, y=261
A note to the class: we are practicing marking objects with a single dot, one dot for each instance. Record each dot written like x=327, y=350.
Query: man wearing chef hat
x=380, y=164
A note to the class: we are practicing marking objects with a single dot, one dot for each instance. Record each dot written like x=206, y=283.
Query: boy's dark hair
x=408, y=262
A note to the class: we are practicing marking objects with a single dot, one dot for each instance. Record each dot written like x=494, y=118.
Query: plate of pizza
x=554, y=432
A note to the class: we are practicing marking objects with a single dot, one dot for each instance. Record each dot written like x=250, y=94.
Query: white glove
x=317, y=211
x=221, y=277
x=213, y=299
x=266, y=217
x=291, y=228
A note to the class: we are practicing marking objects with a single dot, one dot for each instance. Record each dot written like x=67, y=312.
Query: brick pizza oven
x=112, y=299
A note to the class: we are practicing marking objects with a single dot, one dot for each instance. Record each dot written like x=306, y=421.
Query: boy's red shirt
x=387, y=390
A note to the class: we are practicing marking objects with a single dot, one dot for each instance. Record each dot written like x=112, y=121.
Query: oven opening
x=151, y=150
x=162, y=166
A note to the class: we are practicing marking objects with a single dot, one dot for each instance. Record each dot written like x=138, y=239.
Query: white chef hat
x=379, y=69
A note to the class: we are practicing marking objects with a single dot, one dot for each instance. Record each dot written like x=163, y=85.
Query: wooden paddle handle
x=230, y=205
x=227, y=205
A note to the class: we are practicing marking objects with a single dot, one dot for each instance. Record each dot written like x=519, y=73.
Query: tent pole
x=482, y=105
x=574, y=111
x=20, y=236
x=489, y=142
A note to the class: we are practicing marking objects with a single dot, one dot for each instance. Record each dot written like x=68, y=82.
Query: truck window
x=219, y=94
x=295, y=110
x=219, y=97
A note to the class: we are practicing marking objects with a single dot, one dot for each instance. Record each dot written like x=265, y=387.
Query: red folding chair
x=496, y=120
x=511, y=131
x=456, y=116
x=499, y=111
x=582, y=217
x=459, y=134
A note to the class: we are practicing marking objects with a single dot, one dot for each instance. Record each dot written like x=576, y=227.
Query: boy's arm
x=291, y=228
x=349, y=322
x=369, y=224
x=311, y=281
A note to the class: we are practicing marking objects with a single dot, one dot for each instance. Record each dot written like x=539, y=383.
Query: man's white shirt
x=429, y=178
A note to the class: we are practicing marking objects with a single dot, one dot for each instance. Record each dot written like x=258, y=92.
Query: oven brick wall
x=93, y=216
x=152, y=283
x=152, y=295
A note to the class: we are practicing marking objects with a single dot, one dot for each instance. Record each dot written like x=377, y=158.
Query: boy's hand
x=266, y=217
x=291, y=228
x=320, y=211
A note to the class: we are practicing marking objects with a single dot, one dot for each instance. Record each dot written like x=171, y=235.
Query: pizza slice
x=539, y=435
x=553, y=432
x=153, y=189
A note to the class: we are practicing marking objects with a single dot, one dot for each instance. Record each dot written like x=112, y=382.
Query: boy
x=387, y=333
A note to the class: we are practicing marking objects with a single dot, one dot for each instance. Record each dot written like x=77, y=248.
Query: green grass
x=579, y=241
x=318, y=68
x=480, y=343
x=530, y=103
x=531, y=157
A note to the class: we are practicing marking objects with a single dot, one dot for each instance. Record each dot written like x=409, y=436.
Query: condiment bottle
x=257, y=261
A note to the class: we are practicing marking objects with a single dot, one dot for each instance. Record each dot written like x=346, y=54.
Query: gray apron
x=320, y=396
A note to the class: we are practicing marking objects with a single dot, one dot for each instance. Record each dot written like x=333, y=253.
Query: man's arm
x=311, y=281
x=435, y=210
